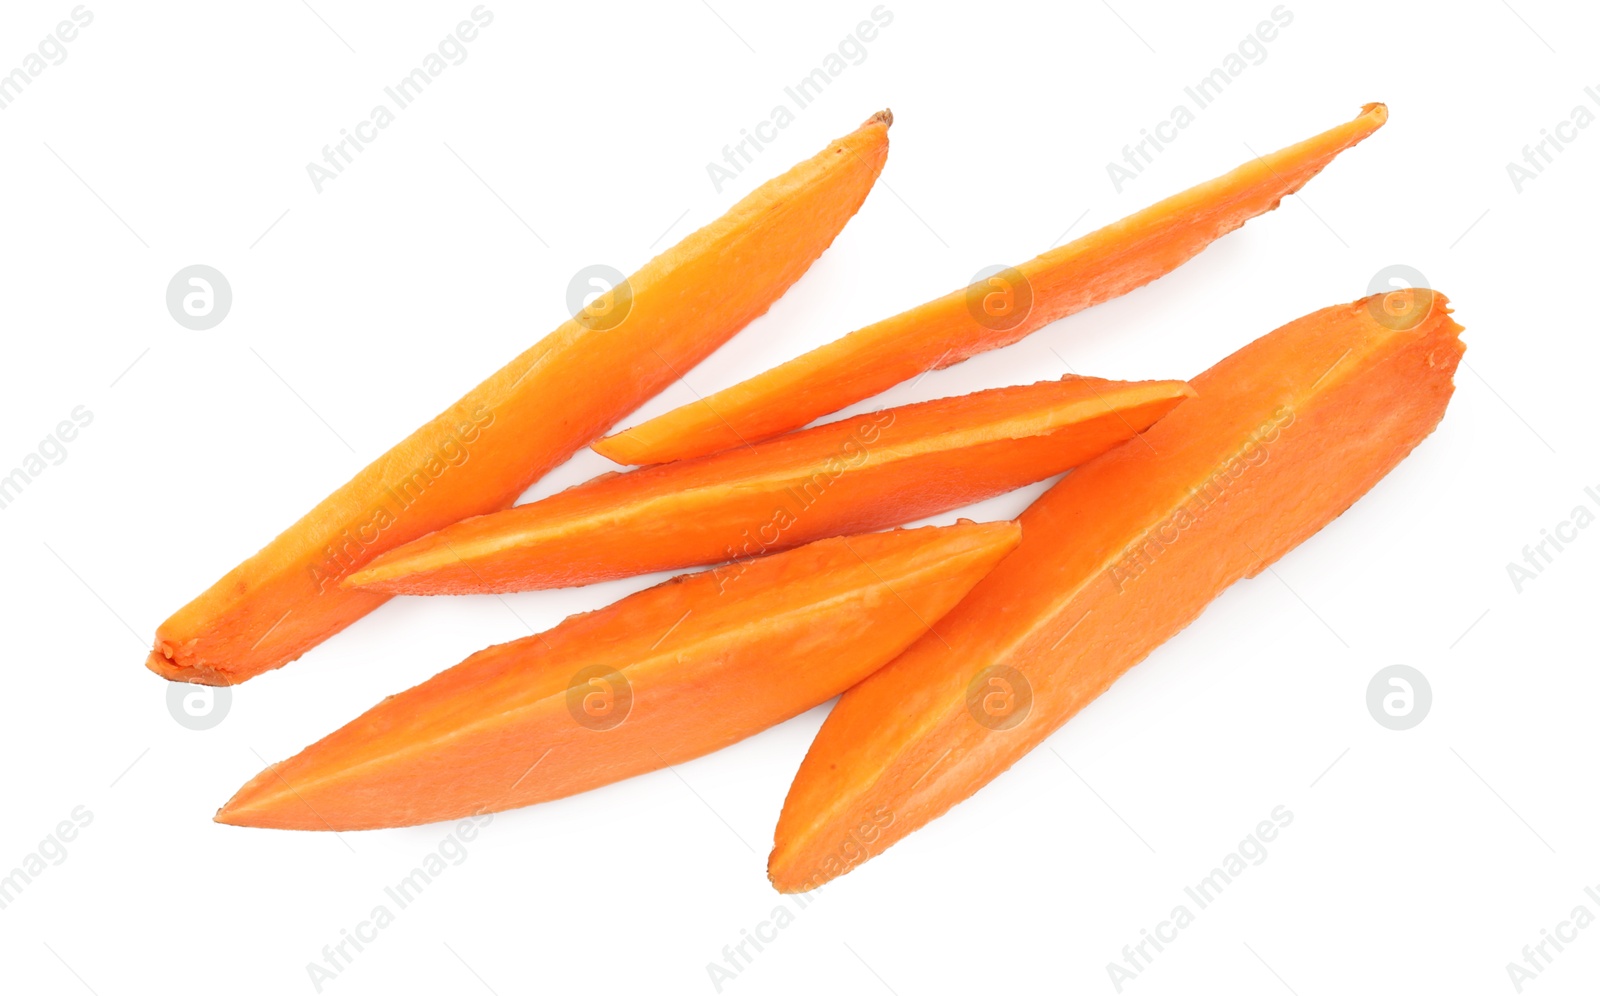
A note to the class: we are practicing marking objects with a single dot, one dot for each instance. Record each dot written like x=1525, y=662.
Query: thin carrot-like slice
x=856, y=475
x=1282, y=437
x=663, y=676
x=558, y=396
x=989, y=314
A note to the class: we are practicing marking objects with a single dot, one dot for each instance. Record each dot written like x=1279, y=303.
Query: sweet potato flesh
x=1099, y=266
x=1122, y=554
x=490, y=446
x=856, y=475
x=680, y=670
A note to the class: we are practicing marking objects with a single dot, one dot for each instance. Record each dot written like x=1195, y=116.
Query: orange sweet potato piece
x=856, y=475
x=1122, y=554
x=558, y=396
x=1097, y=267
x=660, y=677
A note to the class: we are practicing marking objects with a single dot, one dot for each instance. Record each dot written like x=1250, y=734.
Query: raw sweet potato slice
x=487, y=448
x=987, y=315
x=663, y=676
x=856, y=475
x=1122, y=554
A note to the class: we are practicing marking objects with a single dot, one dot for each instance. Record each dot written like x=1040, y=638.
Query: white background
x=179, y=132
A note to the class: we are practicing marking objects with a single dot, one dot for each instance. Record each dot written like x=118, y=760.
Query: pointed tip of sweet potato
x=394, y=572
x=262, y=802
x=779, y=877
x=619, y=447
x=368, y=576
x=884, y=117
x=234, y=816
x=791, y=877
x=792, y=871
x=237, y=810
x=230, y=815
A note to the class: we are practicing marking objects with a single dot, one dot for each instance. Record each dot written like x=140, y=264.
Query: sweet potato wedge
x=1122, y=554
x=660, y=677
x=486, y=449
x=987, y=315
x=855, y=475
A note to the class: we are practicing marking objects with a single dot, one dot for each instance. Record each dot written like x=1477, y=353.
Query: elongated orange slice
x=558, y=396
x=859, y=474
x=660, y=677
x=989, y=314
x=1122, y=554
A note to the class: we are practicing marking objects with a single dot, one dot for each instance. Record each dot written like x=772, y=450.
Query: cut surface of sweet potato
x=660, y=677
x=558, y=396
x=1281, y=438
x=989, y=314
x=859, y=474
